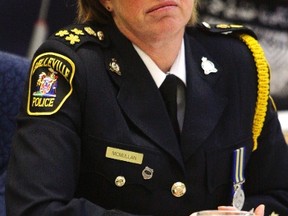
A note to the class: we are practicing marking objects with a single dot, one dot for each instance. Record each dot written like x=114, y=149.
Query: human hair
x=93, y=10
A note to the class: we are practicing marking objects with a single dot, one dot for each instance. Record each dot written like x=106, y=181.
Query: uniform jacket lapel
x=140, y=99
x=203, y=105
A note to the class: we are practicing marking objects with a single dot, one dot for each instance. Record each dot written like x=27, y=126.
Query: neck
x=162, y=50
x=163, y=55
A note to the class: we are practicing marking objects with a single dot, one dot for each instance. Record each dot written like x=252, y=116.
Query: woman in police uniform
x=95, y=136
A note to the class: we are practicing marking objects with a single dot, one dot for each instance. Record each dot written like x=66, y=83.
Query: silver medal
x=238, y=198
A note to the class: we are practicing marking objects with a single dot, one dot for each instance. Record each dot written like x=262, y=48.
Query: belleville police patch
x=50, y=83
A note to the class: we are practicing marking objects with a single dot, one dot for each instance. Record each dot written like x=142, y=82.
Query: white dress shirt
x=178, y=69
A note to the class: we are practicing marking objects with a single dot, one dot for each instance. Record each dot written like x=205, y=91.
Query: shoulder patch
x=50, y=83
x=76, y=35
x=226, y=29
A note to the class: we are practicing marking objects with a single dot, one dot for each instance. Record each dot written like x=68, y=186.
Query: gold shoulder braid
x=263, y=85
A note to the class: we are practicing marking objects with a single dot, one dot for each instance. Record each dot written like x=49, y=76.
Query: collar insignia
x=114, y=67
x=208, y=66
x=91, y=32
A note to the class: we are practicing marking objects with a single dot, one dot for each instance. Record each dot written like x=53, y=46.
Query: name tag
x=124, y=155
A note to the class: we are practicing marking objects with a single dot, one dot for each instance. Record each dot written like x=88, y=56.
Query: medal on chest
x=238, y=198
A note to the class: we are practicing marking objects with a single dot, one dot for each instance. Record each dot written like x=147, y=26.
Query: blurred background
x=19, y=18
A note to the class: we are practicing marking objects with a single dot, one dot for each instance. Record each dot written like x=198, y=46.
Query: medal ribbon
x=238, y=166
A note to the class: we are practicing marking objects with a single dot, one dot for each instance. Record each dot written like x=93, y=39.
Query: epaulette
x=225, y=29
x=79, y=34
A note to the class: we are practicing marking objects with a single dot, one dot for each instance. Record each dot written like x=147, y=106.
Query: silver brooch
x=208, y=66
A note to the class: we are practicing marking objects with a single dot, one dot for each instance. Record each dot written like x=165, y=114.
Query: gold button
x=120, y=181
x=178, y=189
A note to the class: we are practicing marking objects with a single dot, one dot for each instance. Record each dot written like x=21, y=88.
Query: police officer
x=102, y=132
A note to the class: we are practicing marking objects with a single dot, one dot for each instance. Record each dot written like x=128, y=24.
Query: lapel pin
x=207, y=25
x=90, y=31
x=100, y=35
x=208, y=66
x=114, y=67
x=147, y=173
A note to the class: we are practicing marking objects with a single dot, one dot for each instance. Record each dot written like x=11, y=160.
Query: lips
x=163, y=5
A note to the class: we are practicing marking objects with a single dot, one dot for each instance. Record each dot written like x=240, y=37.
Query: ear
x=106, y=4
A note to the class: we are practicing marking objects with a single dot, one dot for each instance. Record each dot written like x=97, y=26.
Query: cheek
x=127, y=10
x=189, y=4
x=129, y=6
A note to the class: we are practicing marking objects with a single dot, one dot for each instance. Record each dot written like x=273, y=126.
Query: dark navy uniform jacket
x=99, y=140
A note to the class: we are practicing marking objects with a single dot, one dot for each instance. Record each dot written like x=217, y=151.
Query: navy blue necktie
x=168, y=91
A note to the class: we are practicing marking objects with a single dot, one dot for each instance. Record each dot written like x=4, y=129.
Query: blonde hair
x=93, y=10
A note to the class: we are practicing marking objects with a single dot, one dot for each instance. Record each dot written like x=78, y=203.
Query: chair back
x=13, y=74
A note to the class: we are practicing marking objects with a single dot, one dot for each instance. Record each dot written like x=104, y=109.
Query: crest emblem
x=114, y=67
x=46, y=84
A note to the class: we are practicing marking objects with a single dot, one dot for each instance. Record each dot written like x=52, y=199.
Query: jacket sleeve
x=45, y=161
x=267, y=170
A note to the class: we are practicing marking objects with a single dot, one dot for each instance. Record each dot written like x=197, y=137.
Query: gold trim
x=263, y=85
x=273, y=103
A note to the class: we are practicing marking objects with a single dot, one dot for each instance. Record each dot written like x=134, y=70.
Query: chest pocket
x=118, y=167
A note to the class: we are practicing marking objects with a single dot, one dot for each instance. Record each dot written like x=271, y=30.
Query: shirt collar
x=178, y=68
